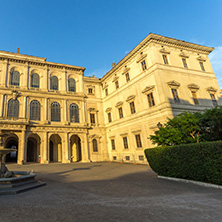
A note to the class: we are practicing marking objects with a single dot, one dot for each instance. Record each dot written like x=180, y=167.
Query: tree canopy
x=190, y=128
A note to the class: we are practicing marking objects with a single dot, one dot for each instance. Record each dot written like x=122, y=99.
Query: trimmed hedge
x=197, y=161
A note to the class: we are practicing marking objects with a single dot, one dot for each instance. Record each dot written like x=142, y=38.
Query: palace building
x=53, y=113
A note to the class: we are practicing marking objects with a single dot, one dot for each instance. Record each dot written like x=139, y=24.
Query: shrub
x=197, y=161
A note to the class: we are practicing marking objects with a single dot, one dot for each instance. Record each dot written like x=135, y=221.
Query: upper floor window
x=113, y=144
x=35, y=110
x=74, y=113
x=90, y=91
x=14, y=78
x=35, y=80
x=214, y=101
x=72, y=85
x=13, y=108
x=95, y=145
x=150, y=99
x=54, y=84
x=184, y=63
x=109, y=117
x=127, y=77
x=117, y=84
x=125, y=142
x=132, y=107
x=165, y=60
x=55, y=112
x=138, y=141
x=106, y=92
x=92, y=118
x=195, y=99
x=175, y=96
x=202, y=66
x=143, y=63
x=120, y=112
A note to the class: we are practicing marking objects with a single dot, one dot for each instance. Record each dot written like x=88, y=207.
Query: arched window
x=55, y=112
x=74, y=113
x=14, y=78
x=72, y=85
x=35, y=80
x=95, y=145
x=35, y=110
x=54, y=83
x=13, y=108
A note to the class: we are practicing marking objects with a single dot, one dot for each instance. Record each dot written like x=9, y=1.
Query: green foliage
x=190, y=128
x=197, y=161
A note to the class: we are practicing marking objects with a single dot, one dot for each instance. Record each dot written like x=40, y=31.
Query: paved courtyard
x=109, y=192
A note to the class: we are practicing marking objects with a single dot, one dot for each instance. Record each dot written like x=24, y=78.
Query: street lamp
x=159, y=125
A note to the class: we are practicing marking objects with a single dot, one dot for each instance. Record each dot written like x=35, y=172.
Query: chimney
x=18, y=50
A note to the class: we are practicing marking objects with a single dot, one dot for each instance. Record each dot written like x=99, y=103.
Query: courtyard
x=108, y=192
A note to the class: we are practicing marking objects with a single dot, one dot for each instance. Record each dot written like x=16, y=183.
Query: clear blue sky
x=93, y=33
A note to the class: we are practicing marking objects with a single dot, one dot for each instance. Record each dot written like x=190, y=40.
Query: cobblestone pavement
x=109, y=192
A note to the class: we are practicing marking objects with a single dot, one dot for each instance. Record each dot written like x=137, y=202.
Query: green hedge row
x=198, y=161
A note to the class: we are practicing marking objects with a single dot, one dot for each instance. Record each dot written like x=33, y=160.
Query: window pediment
x=108, y=109
x=193, y=87
x=148, y=89
x=164, y=50
x=173, y=84
x=130, y=98
x=115, y=78
x=184, y=55
x=126, y=70
x=201, y=58
x=119, y=104
x=141, y=57
x=211, y=89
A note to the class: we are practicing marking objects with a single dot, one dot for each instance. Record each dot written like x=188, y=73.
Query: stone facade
x=53, y=113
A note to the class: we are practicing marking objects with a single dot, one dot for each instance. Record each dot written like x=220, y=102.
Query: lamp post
x=159, y=125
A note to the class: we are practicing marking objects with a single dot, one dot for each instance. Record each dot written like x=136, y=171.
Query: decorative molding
x=164, y=51
x=130, y=98
x=119, y=104
x=148, y=89
x=108, y=109
x=115, y=78
x=126, y=70
x=184, y=55
x=193, y=87
x=173, y=84
x=141, y=57
x=92, y=109
x=136, y=131
x=201, y=59
x=211, y=89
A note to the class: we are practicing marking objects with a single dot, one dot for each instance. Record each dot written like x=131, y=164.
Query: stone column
x=44, y=80
x=65, y=148
x=63, y=82
x=65, y=111
x=2, y=105
x=25, y=76
x=22, y=146
x=85, y=148
x=45, y=116
x=45, y=148
x=80, y=87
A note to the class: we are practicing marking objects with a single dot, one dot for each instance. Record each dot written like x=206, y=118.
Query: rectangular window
x=132, y=108
x=213, y=99
x=127, y=77
x=127, y=158
x=125, y=143
x=120, y=112
x=141, y=158
x=92, y=118
x=184, y=63
x=150, y=100
x=117, y=84
x=114, y=157
x=113, y=144
x=106, y=92
x=175, y=96
x=202, y=66
x=195, y=99
x=138, y=141
x=143, y=63
x=165, y=60
x=90, y=91
x=109, y=117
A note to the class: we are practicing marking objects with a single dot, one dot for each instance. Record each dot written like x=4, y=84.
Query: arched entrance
x=33, y=148
x=12, y=142
x=55, y=148
x=75, y=145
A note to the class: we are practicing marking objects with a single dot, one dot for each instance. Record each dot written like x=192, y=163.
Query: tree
x=182, y=129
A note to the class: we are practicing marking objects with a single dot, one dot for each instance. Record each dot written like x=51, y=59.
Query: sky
x=94, y=33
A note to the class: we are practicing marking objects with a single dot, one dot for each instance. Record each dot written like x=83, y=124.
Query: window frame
x=32, y=80
x=53, y=114
x=14, y=78
x=120, y=111
x=113, y=145
x=151, y=100
x=74, y=113
x=92, y=118
x=132, y=107
x=13, y=108
x=184, y=61
x=175, y=95
x=213, y=99
x=165, y=59
x=109, y=117
x=35, y=110
x=95, y=145
x=143, y=65
x=138, y=141
x=70, y=87
x=125, y=143
x=202, y=66
x=53, y=80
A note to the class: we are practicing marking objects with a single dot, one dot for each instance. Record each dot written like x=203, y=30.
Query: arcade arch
x=75, y=146
x=12, y=142
x=55, y=148
x=33, y=148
